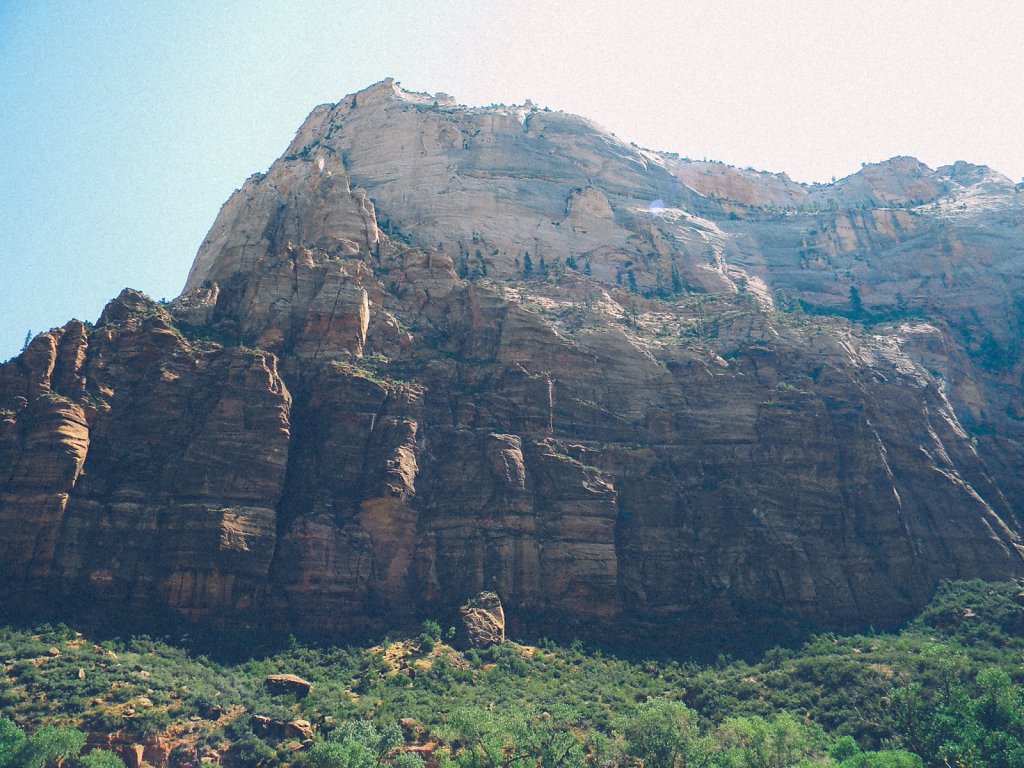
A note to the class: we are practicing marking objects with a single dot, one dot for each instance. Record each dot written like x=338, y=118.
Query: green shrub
x=11, y=739
x=661, y=733
x=355, y=744
x=46, y=746
x=756, y=742
x=100, y=758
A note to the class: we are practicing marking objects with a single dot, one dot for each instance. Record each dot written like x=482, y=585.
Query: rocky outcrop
x=151, y=473
x=483, y=620
x=287, y=683
x=439, y=350
x=134, y=750
x=746, y=187
x=269, y=727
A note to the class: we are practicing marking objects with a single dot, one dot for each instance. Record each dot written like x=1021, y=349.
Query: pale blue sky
x=124, y=125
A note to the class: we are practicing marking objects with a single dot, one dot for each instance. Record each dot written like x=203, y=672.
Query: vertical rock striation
x=437, y=350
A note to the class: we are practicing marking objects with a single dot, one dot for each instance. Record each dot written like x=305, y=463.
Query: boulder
x=262, y=725
x=270, y=727
x=300, y=729
x=483, y=620
x=280, y=684
x=210, y=711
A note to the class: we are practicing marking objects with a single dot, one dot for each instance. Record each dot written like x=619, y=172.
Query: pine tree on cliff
x=856, y=305
x=677, y=281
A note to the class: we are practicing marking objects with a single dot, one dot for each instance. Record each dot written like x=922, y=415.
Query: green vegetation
x=370, y=370
x=944, y=691
x=361, y=744
x=49, y=746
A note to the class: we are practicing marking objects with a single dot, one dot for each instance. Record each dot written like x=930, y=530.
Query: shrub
x=100, y=758
x=662, y=733
x=755, y=742
x=46, y=746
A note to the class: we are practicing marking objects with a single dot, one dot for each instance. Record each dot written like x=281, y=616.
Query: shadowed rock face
x=436, y=350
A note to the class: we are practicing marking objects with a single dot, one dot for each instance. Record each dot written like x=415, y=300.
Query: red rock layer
x=666, y=421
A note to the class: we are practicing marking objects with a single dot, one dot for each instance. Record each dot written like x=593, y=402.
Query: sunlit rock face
x=436, y=350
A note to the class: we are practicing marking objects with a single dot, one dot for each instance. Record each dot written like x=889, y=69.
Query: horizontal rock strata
x=436, y=350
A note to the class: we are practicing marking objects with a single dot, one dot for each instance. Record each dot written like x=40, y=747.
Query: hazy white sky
x=125, y=124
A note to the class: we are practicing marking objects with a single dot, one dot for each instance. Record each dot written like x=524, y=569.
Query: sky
x=126, y=124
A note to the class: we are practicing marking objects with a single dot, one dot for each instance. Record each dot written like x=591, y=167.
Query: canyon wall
x=438, y=349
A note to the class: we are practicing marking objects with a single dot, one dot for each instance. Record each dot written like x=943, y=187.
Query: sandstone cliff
x=436, y=350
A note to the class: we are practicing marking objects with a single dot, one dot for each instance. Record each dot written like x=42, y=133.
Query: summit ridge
x=436, y=350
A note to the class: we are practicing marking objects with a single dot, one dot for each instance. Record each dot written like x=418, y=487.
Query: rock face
x=436, y=350
x=287, y=684
x=152, y=751
x=281, y=729
x=483, y=620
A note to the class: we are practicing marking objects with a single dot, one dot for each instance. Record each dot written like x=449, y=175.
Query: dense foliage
x=49, y=746
x=944, y=691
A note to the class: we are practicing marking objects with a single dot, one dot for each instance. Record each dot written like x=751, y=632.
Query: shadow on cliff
x=689, y=639
x=223, y=646
x=681, y=641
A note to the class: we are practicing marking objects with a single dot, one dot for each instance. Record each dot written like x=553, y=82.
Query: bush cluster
x=943, y=691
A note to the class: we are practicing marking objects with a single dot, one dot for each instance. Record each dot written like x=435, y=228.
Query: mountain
x=437, y=349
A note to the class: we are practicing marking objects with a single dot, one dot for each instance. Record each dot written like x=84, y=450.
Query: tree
x=604, y=751
x=843, y=749
x=11, y=739
x=527, y=264
x=249, y=749
x=1000, y=706
x=677, y=281
x=518, y=737
x=47, y=746
x=100, y=758
x=546, y=739
x=28, y=340
x=355, y=744
x=941, y=729
x=407, y=760
x=633, y=312
x=888, y=758
x=846, y=754
x=754, y=742
x=856, y=305
x=663, y=734
x=949, y=727
x=341, y=754
x=482, y=734
x=427, y=639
